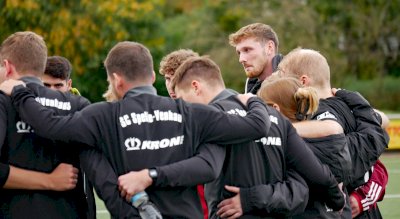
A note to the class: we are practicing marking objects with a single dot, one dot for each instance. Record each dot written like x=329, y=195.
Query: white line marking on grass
x=391, y=196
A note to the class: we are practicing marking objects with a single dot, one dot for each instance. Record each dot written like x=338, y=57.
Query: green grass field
x=390, y=206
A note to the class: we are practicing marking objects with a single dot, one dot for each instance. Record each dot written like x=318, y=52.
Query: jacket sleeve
x=4, y=171
x=285, y=198
x=4, y=168
x=369, y=140
x=219, y=127
x=77, y=127
x=204, y=167
x=373, y=191
x=105, y=181
x=302, y=159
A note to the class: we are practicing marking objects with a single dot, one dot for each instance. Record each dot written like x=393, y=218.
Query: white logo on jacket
x=270, y=141
x=54, y=103
x=326, y=115
x=146, y=117
x=23, y=127
x=133, y=143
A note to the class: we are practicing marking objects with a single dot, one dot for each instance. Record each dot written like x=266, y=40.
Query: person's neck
x=324, y=93
x=266, y=73
x=18, y=76
x=131, y=85
x=212, y=94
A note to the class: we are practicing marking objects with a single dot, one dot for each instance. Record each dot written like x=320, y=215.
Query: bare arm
x=317, y=128
x=64, y=177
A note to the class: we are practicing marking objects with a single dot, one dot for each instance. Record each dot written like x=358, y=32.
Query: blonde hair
x=308, y=62
x=27, y=51
x=173, y=60
x=261, y=32
x=295, y=101
x=109, y=95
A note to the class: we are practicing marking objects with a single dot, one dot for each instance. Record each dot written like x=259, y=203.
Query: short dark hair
x=58, y=67
x=131, y=59
x=197, y=67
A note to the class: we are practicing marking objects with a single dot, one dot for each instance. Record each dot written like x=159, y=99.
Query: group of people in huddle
x=290, y=147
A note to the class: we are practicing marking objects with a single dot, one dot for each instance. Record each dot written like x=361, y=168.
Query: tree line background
x=360, y=38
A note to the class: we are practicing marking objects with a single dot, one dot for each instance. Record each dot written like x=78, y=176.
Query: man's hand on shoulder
x=245, y=97
x=8, y=85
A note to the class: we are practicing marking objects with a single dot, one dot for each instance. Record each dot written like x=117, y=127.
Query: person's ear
x=276, y=106
x=10, y=68
x=305, y=80
x=196, y=87
x=69, y=84
x=270, y=47
x=118, y=80
x=153, y=77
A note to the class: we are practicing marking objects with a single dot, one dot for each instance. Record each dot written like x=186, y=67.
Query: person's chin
x=251, y=74
x=173, y=96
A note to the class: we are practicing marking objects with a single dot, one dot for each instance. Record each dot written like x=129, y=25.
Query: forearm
x=374, y=190
x=45, y=122
x=282, y=198
x=221, y=128
x=27, y=179
x=317, y=128
x=4, y=172
x=204, y=167
x=102, y=176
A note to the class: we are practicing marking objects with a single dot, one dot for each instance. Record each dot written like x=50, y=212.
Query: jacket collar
x=32, y=80
x=140, y=90
x=224, y=94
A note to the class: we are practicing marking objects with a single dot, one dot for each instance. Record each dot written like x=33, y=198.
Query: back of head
x=307, y=62
x=27, y=51
x=198, y=68
x=173, y=60
x=261, y=32
x=295, y=101
x=132, y=60
x=58, y=67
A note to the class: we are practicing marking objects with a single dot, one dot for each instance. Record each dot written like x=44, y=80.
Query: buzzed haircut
x=130, y=59
x=27, y=51
x=308, y=62
x=58, y=67
x=261, y=32
x=173, y=60
x=197, y=68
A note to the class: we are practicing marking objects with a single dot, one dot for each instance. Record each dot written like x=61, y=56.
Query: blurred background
x=360, y=38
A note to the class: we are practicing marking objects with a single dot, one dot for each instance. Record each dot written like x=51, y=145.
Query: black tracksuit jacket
x=365, y=137
x=145, y=130
x=21, y=147
x=267, y=170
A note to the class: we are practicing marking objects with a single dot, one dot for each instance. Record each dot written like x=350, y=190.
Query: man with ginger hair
x=260, y=179
x=366, y=139
x=171, y=62
x=257, y=47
